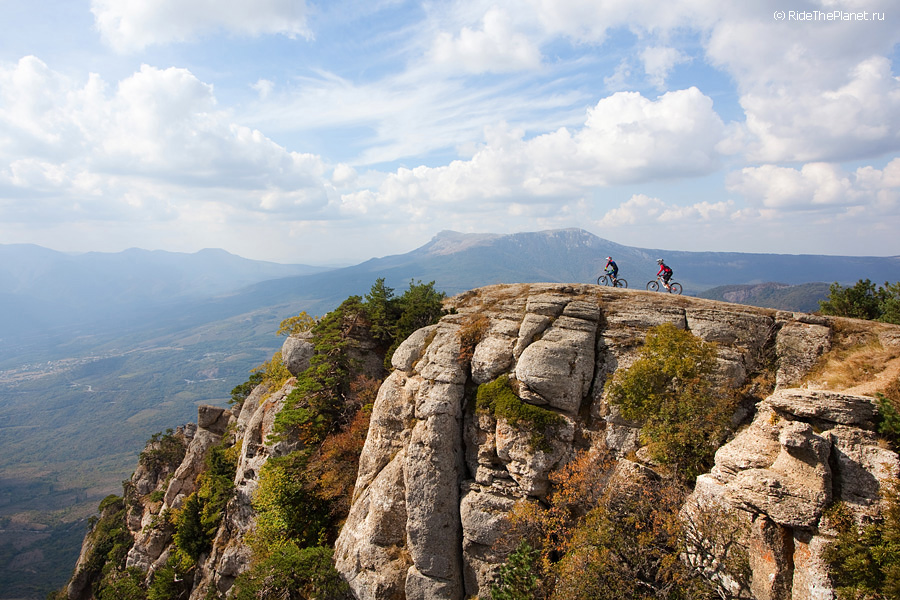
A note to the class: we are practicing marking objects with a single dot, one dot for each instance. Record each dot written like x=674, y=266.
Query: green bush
x=111, y=543
x=669, y=391
x=123, y=585
x=498, y=398
x=169, y=583
x=286, y=507
x=864, y=561
x=888, y=420
x=297, y=324
x=240, y=392
x=518, y=575
x=290, y=572
x=863, y=301
x=199, y=517
x=163, y=451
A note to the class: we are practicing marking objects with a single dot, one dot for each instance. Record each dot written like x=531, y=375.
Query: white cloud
x=344, y=176
x=591, y=20
x=811, y=90
x=659, y=61
x=820, y=187
x=858, y=119
x=625, y=138
x=129, y=25
x=641, y=209
x=638, y=208
x=155, y=144
x=495, y=48
x=263, y=87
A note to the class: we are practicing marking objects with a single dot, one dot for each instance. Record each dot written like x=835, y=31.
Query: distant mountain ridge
x=42, y=288
x=457, y=262
x=804, y=297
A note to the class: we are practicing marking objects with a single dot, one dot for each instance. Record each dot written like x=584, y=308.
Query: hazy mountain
x=804, y=297
x=458, y=262
x=41, y=289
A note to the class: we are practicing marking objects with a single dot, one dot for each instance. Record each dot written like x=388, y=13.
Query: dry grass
x=857, y=360
x=471, y=332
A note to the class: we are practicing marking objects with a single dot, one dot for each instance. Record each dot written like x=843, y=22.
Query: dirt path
x=879, y=382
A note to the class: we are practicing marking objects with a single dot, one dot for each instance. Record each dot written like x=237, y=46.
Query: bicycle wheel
x=601, y=280
x=653, y=286
x=621, y=283
x=675, y=288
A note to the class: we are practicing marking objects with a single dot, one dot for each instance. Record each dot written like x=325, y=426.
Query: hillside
x=804, y=297
x=504, y=404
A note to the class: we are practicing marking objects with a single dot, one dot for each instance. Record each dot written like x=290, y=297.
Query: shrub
x=290, y=572
x=163, y=451
x=669, y=391
x=864, y=560
x=419, y=306
x=888, y=419
x=169, y=583
x=518, y=576
x=593, y=540
x=313, y=408
x=240, y=392
x=123, y=585
x=333, y=467
x=286, y=507
x=470, y=333
x=298, y=324
x=864, y=301
x=111, y=542
x=499, y=399
x=199, y=517
x=630, y=547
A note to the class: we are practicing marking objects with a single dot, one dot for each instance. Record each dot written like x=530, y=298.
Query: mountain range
x=137, y=339
x=41, y=289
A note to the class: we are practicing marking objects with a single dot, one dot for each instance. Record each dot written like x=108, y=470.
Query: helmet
x=609, y=258
x=659, y=261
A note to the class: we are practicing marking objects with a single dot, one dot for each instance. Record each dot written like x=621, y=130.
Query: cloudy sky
x=331, y=131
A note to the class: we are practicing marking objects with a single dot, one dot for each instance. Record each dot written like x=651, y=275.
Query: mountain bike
x=607, y=279
x=674, y=286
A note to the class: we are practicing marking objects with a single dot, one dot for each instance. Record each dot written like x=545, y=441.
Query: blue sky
x=331, y=132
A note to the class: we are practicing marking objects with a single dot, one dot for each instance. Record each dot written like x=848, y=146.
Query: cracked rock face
x=804, y=450
x=438, y=476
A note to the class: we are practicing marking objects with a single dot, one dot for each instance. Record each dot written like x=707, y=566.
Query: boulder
x=296, y=351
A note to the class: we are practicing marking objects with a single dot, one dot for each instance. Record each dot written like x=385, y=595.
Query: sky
x=332, y=131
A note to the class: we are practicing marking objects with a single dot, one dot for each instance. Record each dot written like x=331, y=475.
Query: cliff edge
x=438, y=478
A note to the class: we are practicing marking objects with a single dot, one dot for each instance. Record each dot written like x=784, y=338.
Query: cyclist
x=612, y=269
x=665, y=271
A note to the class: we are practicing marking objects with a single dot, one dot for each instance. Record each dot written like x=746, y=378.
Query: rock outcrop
x=437, y=477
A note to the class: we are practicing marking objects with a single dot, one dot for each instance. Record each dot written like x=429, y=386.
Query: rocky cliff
x=437, y=478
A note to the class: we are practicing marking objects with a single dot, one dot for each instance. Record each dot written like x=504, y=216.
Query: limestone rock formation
x=441, y=470
x=437, y=476
x=296, y=352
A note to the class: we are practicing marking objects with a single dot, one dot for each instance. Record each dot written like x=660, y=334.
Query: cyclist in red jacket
x=612, y=269
x=665, y=271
